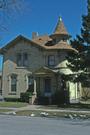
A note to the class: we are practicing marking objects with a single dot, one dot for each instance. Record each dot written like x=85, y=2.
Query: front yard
x=54, y=114
x=12, y=104
x=72, y=111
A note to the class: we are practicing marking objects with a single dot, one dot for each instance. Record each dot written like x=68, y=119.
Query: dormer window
x=64, y=39
x=49, y=43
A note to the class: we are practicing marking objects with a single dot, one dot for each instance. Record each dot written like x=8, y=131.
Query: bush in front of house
x=42, y=100
x=12, y=99
x=24, y=97
x=60, y=97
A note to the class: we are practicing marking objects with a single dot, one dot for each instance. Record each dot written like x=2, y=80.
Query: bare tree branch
x=9, y=9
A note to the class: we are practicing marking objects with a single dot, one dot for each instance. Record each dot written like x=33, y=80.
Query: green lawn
x=12, y=104
x=4, y=110
x=51, y=114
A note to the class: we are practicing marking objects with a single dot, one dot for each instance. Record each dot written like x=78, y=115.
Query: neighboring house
x=39, y=65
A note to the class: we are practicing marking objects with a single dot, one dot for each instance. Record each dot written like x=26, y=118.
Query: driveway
x=18, y=125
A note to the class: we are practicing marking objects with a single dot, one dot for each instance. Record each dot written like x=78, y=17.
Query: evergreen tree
x=83, y=40
x=79, y=62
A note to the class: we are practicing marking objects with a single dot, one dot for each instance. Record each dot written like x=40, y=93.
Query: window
x=25, y=59
x=30, y=83
x=22, y=59
x=19, y=59
x=51, y=60
x=13, y=83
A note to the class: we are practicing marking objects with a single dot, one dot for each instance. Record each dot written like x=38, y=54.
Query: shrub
x=12, y=99
x=43, y=100
x=60, y=97
x=24, y=97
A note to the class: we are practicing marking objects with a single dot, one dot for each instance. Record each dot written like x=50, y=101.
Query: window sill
x=21, y=67
x=12, y=93
x=51, y=66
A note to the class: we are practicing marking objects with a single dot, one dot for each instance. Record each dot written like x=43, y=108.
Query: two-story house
x=38, y=64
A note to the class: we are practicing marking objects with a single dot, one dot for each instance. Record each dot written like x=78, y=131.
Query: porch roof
x=45, y=71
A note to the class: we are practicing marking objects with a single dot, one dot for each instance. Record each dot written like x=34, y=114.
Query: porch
x=46, y=85
x=49, y=87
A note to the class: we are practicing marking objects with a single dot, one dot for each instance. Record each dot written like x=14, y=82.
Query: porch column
x=35, y=92
x=32, y=101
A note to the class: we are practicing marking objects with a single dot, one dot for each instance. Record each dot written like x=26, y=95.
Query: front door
x=47, y=90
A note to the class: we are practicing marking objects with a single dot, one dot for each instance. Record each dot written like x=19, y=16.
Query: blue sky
x=41, y=16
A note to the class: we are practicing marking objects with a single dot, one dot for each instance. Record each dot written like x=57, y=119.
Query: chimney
x=34, y=35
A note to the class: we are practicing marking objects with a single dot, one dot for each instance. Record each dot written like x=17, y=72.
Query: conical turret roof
x=60, y=28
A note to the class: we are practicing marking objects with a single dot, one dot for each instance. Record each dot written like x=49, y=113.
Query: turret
x=60, y=32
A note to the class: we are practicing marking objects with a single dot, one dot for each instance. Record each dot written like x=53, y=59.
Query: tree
x=82, y=41
x=79, y=62
x=8, y=10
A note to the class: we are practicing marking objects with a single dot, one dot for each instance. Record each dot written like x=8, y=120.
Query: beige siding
x=35, y=61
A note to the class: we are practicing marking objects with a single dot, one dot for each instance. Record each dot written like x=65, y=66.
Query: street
x=22, y=125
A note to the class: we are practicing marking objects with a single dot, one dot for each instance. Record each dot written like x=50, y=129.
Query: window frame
x=23, y=62
x=25, y=59
x=13, y=83
x=51, y=62
x=19, y=62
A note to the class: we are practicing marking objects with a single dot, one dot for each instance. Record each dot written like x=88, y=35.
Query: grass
x=4, y=110
x=28, y=112
x=51, y=114
x=12, y=104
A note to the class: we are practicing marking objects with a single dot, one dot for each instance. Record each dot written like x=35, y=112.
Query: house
x=38, y=64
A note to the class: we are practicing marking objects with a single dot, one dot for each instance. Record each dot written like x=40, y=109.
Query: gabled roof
x=61, y=45
x=60, y=28
x=36, y=43
x=16, y=40
x=44, y=70
x=42, y=40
